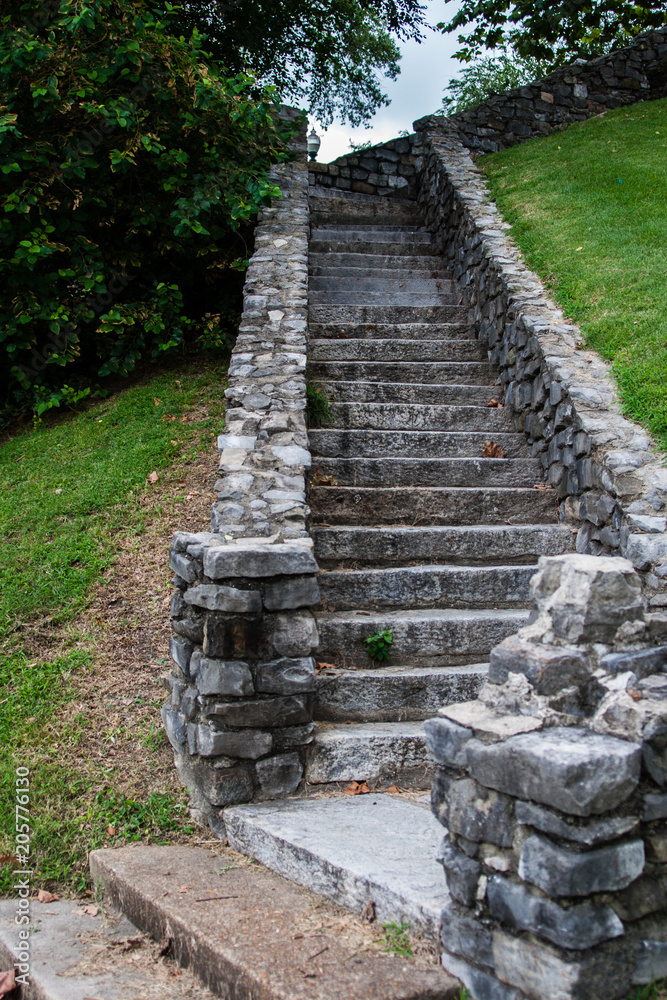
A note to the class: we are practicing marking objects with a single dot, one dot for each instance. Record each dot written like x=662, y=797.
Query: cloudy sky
x=425, y=71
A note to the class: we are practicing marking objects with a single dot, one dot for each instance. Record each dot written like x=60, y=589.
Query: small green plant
x=318, y=407
x=397, y=939
x=652, y=991
x=463, y=993
x=379, y=645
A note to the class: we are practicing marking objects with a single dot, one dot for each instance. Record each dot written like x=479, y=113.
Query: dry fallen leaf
x=357, y=788
x=46, y=897
x=541, y=486
x=111, y=831
x=7, y=982
x=325, y=666
x=153, y=476
x=634, y=694
x=492, y=449
x=156, y=400
x=185, y=888
x=368, y=912
x=493, y=402
x=394, y=789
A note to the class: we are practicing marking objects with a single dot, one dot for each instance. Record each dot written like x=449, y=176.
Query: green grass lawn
x=74, y=493
x=588, y=210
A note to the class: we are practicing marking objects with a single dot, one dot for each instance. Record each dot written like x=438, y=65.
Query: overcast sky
x=425, y=71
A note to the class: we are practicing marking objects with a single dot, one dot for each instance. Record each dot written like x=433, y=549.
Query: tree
x=129, y=166
x=558, y=31
x=326, y=52
x=489, y=75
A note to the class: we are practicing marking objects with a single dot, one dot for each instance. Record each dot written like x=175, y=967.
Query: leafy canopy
x=327, y=53
x=557, y=31
x=129, y=165
x=486, y=76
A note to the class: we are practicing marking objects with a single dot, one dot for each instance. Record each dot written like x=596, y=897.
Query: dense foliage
x=486, y=76
x=558, y=31
x=327, y=53
x=129, y=165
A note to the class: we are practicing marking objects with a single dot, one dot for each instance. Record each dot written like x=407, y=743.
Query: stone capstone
x=239, y=560
x=561, y=872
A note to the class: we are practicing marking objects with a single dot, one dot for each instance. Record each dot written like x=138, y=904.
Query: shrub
x=130, y=164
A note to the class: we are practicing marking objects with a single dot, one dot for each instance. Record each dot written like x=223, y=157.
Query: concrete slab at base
x=351, y=849
x=250, y=935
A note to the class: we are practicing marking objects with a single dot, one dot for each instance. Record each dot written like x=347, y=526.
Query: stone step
x=474, y=543
x=376, y=261
x=380, y=753
x=397, y=472
x=394, y=694
x=377, y=283
x=370, y=236
x=410, y=444
x=422, y=638
x=417, y=416
x=439, y=372
x=391, y=331
x=335, y=505
x=412, y=394
x=326, y=272
x=397, y=298
x=320, y=313
x=323, y=210
x=426, y=586
x=396, y=350
x=250, y=934
x=352, y=849
x=388, y=247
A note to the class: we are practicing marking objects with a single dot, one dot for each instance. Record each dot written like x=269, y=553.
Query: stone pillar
x=553, y=789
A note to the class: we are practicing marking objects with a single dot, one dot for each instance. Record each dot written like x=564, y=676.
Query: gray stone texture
x=447, y=741
x=586, y=834
x=280, y=775
x=218, y=598
x=548, y=668
x=224, y=677
x=461, y=872
x=286, y=676
x=562, y=872
x=573, y=770
x=263, y=713
x=249, y=745
x=479, y=814
x=295, y=592
x=467, y=937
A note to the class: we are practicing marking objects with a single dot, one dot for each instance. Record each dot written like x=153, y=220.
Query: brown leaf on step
x=320, y=480
x=46, y=897
x=541, y=486
x=184, y=888
x=634, y=694
x=92, y=911
x=153, y=476
x=368, y=912
x=352, y=789
x=493, y=402
x=325, y=666
x=492, y=450
x=394, y=790
x=7, y=982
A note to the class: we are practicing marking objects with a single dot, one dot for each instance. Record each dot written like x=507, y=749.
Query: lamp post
x=314, y=143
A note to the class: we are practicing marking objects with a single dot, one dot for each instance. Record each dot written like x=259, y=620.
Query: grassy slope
x=73, y=495
x=588, y=209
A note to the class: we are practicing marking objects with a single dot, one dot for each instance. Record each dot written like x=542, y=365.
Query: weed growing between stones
x=652, y=991
x=379, y=646
x=318, y=407
x=397, y=939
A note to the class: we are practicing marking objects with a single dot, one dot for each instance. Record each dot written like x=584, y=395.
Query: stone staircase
x=414, y=529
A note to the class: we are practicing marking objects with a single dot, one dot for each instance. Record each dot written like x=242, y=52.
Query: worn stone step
x=427, y=586
x=391, y=331
x=394, y=694
x=397, y=472
x=387, y=299
x=323, y=210
x=439, y=372
x=375, y=261
x=340, y=848
x=375, y=283
x=377, y=234
x=380, y=753
x=336, y=443
x=417, y=417
x=388, y=247
x=250, y=934
x=328, y=272
x=474, y=543
x=412, y=394
x=432, y=506
x=396, y=350
x=422, y=638
x=319, y=313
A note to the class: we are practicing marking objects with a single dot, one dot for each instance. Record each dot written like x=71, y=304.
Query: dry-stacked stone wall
x=240, y=711
x=389, y=170
x=552, y=786
x=610, y=480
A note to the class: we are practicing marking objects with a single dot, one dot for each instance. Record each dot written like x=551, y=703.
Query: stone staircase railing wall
x=240, y=711
x=552, y=787
x=389, y=170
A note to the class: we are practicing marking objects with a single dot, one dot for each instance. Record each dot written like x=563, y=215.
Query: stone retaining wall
x=553, y=788
x=240, y=711
x=389, y=170
x=611, y=482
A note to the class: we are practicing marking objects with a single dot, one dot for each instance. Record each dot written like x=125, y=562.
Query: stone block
x=461, y=872
x=286, y=676
x=651, y=962
x=244, y=560
x=291, y=592
x=588, y=834
x=447, y=741
x=217, y=598
x=250, y=745
x=181, y=651
x=479, y=814
x=573, y=770
x=587, y=597
x=560, y=872
x=174, y=724
x=645, y=550
x=183, y=567
x=541, y=973
x=265, y=713
x=655, y=807
x=224, y=786
x=643, y=896
x=224, y=677
x=640, y=662
x=481, y=985
x=293, y=736
x=577, y=928
x=279, y=776
x=548, y=668
x=189, y=628
x=292, y=635
x=466, y=936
